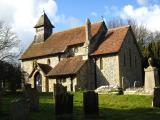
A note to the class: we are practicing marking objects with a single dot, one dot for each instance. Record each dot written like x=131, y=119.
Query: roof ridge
x=124, y=26
x=79, y=26
x=73, y=57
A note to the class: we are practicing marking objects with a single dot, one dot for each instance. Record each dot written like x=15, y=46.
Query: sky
x=22, y=15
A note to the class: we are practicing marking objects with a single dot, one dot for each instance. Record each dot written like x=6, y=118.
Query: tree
x=8, y=42
x=11, y=76
x=9, y=53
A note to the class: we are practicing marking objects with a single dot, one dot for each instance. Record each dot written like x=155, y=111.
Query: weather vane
x=102, y=18
x=43, y=10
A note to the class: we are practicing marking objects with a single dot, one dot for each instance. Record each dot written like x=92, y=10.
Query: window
x=76, y=50
x=59, y=58
x=58, y=80
x=124, y=59
x=101, y=63
x=48, y=61
x=63, y=80
x=135, y=61
x=130, y=58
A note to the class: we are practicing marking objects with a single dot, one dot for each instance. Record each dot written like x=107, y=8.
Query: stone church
x=84, y=57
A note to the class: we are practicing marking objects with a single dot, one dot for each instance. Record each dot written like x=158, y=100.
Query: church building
x=83, y=57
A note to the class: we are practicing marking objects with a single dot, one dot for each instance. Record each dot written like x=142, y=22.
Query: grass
x=111, y=107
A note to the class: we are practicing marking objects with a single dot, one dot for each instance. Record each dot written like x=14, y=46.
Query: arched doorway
x=38, y=81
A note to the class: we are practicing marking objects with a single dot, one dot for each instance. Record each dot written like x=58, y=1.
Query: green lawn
x=112, y=107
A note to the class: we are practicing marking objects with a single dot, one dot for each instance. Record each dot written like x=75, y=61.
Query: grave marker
x=63, y=104
x=32, y=95
x=90, y=103
x=19, y=109
x=156, y=98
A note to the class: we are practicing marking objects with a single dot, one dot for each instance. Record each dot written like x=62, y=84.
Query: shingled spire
x=43, y=29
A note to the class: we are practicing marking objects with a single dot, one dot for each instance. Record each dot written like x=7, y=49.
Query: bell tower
x=43, y=29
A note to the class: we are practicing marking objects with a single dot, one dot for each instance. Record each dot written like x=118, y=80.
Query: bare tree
x=115, y=23
x=9, y=43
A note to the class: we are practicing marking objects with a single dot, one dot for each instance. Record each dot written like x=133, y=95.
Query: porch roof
x=68, y=66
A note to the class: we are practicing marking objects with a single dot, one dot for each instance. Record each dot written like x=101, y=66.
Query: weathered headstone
x=156, y=98
x=63, y=104
x=19, y=109
x=32, y=95
x=90, y=103
x=137, y=84
x=59, y=89
x=151, y=78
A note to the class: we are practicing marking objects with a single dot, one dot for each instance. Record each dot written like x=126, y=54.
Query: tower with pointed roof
x=43, y=29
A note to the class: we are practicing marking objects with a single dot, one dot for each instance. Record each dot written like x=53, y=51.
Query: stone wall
x=67, y=83
x=130, y=63
x=51, y=82
x=27, y=66
x=109, y=74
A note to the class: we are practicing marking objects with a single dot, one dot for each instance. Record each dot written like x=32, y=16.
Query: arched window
x=38, y=81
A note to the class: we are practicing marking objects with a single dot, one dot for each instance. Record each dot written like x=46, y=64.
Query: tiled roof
x=58, y=42
x=45, y=68
x=68, y=66
x=112, y=41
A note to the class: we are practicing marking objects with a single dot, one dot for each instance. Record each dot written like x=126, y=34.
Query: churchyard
x=111, y=107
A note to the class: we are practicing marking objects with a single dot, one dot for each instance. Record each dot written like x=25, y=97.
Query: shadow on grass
x=46, y=112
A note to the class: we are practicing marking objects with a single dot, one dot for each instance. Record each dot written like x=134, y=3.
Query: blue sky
x=92, y=9
x=22, y=15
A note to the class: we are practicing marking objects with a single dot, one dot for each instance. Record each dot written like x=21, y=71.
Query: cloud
x=142, y=2
x=94, y=14
x=147, y=15
x=69, y=21
x=22, y=15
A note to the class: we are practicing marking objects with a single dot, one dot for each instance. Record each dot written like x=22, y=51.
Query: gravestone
x=27, y=86
x=19, y=109
x=0, y=102
x=63, y=104
x=137, y=84
x=59, y=89
x=32, y=95
x=90, y=103
x=151, y=77
x=156, y=98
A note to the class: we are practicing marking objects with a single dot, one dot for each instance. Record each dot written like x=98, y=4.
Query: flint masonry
x=84, y=57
